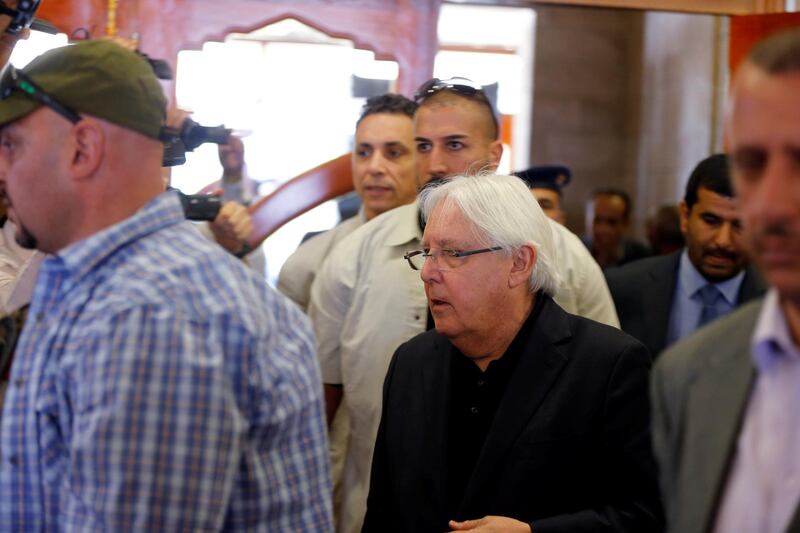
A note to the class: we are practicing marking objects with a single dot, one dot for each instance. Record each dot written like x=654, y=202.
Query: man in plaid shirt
x=159, y=385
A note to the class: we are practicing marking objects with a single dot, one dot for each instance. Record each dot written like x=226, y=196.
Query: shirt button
x=39, y=316
x=473, y=410
x=19, y=382
x=416, y=317
x=13, y=459
x=480, y=383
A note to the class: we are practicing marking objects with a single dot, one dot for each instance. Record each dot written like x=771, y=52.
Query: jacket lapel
x=543, y=359
x=657, y=296
x=436, y=380
x=794, y=524
x=719, y=394
x=753, y=286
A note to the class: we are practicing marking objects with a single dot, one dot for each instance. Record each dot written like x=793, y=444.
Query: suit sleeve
x=382, y=508
x=632, y=503
x=664, y=428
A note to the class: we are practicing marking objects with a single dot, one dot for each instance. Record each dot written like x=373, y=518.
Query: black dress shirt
x=474, y=398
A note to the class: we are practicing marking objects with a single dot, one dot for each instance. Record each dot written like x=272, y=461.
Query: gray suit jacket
x=643, y=292
x=699, y=389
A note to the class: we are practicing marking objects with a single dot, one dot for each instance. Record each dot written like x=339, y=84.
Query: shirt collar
x=80, y=258
x=406, y=228
x=361, y=215
x=692, y=280
x=771, y=338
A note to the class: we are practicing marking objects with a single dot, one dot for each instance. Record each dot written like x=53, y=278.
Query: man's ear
x=685, y=213
x=496, y=152
x=88, y=148
x=523, y=263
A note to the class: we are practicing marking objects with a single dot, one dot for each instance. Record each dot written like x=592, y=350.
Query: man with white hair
x=365, y=301
x=511, y=407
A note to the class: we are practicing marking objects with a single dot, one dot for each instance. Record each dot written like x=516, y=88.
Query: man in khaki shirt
x=383, y=177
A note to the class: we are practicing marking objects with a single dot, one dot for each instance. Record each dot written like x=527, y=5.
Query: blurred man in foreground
x=726, y=423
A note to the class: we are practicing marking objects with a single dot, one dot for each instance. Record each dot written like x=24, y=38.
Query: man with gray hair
x=365, y=301
x=511, y=407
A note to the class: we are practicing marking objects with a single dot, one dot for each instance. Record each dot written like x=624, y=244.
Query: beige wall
x=627, y=99
x=584, y=97
x=682, y=94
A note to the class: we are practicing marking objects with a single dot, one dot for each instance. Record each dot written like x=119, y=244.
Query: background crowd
x=452, y=357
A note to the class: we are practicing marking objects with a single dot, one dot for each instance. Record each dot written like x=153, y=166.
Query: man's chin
x=785, y=280
x=383, y=207
x=716, y=275
x=25, y=239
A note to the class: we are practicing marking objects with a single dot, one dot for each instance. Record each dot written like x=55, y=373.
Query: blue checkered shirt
x=159, y=385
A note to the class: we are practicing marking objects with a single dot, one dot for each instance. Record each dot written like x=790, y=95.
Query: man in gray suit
x=726, y=425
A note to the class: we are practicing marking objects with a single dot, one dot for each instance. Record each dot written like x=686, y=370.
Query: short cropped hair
x=610, y=191
x=712, y=173
x=503, y=213
x=387, y=103
x=779, y=53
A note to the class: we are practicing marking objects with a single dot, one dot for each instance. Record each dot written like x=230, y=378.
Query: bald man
x=159, y=384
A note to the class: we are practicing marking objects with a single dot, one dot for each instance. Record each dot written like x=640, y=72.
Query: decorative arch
x=400, y=30
x=404, y=31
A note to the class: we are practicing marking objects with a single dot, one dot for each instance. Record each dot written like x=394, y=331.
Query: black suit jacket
x=643, y=292
x=568, y=450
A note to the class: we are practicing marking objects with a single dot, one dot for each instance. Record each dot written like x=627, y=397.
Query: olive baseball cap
x=98, y=78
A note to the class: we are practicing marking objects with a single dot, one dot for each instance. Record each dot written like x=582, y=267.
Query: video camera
x=176, y=144
x=186, y=139
x=190, y=136
x=200, y=206
x=23, y=17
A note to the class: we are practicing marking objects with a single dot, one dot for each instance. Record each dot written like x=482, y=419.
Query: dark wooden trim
x=300, y=194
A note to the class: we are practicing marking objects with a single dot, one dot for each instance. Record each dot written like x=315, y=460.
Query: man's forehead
x=609, y=201
x=758, y=93
x=462, y=117
x=396, y=126
x=446, y=219
x=718, y=204
x=544, y=193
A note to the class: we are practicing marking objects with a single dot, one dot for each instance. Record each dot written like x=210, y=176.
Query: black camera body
x=23, y=17
x=200, y=206
x=190, y=136
x=161, y=68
